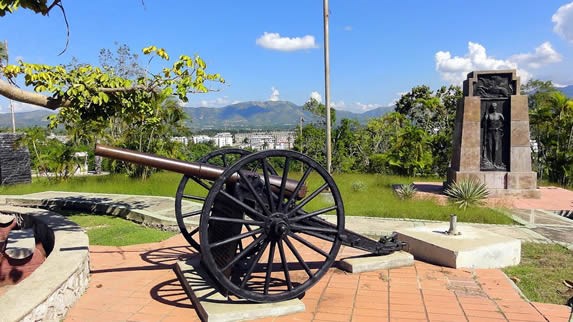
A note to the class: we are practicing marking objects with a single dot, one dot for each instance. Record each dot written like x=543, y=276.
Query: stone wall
x=14, y=160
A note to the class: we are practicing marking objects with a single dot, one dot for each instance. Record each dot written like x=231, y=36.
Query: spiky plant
x=467, y=193
x=406, y=191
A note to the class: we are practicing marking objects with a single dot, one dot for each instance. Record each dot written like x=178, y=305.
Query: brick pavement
x=137, y=283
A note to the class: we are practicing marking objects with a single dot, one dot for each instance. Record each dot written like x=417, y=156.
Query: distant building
x=223, y=139
x=181, y=139
x=202, y=139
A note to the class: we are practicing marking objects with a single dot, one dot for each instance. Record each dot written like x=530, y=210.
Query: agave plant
x=406, y=191
x=467, y=192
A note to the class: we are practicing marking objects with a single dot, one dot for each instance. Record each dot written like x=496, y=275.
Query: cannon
x=271, y=223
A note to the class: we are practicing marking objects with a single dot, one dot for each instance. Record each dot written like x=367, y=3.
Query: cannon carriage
x=271, y=223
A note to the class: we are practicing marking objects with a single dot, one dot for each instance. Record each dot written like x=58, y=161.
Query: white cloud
x=340, y=105
x=217, y=102
x=361, y=107
x=454, y=69
x=274, y=94
x=274, y=41
x=316, y=95
x=563, y=20
x=347, y=28
x=544, y=54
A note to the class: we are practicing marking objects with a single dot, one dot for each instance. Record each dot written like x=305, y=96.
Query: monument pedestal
x=491, y=136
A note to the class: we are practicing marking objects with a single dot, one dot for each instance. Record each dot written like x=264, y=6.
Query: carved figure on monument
x=493, y=123
x=493, y=86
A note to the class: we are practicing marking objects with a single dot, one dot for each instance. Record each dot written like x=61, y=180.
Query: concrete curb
x=63, y=277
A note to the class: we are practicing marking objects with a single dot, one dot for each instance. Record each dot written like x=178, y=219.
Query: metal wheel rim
x=239, y=287
x=180, y=216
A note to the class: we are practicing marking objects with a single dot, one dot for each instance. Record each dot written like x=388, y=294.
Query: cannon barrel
x=199, y=170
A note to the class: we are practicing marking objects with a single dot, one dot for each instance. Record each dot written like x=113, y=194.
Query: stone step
x=20, y=244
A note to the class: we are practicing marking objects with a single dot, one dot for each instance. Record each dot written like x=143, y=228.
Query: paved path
x=137, y=283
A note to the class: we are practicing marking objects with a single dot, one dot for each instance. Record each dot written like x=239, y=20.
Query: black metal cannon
x=271, y=224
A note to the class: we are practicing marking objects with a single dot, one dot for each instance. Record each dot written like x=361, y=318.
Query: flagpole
x=327, y=88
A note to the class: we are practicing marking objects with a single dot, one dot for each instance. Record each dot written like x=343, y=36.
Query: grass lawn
x=114, y=231
x=376, y=199
x=541, y=272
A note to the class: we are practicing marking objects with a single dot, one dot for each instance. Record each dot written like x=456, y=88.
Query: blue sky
x=274, y=49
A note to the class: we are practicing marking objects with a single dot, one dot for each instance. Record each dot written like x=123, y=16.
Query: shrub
x=467, y=193
x=359, y=186
x=406, y=191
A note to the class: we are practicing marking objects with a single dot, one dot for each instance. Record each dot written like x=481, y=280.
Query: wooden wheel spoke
x=270, y=199
x=190, y=197
x=237, y=221
x=283, y=183
x=269, y=268
x=236, y=237
x=305, y=228
x=285, y=266
x=309, y=244
x=248, y=209
x=312, y=214
x=191, y=214
x=308, y=199
x=201, y=183
x=298, y=187
x=244, y=253
x=254, y=263
x=299, y=258
x=254, y=193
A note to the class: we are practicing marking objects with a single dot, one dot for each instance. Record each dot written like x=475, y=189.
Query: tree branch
x=14, y=93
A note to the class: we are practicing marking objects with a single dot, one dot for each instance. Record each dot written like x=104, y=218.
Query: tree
x=318, y=109
x=552, y=128
x=433, y=112
x=38, y=6
x=93, y=93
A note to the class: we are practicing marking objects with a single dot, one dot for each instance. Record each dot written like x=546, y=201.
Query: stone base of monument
x=501, y=183
x=369, y=263
x=214, y=306
x=473, y=248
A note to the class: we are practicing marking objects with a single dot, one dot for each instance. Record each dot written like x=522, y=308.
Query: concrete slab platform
x=214, y=307
x=474, y=248
x=369, y=263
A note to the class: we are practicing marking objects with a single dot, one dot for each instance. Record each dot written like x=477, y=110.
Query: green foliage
x=92, y=95
x=355, y=204
x=50, y=157
x=115, y=231
x=551, y=119
x=38, y=6
x=406, y=191
x=541, y=273
x=467, y=193
x=359, y=186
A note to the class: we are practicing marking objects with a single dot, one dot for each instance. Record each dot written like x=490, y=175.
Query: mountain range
x=241, y=116
x=254, y=115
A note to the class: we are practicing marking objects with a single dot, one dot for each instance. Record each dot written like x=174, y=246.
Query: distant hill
x=567, y=90
x=26, y=119
x=246, y=116
x=264, y=115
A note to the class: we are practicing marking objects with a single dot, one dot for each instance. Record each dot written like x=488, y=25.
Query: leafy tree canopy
x=38, y=6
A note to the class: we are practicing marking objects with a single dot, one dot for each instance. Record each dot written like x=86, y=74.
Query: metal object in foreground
x=271, y=223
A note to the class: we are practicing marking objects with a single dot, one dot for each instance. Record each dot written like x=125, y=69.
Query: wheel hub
x=277, y=226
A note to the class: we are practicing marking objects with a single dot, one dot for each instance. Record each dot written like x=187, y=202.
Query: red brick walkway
x=137, y=283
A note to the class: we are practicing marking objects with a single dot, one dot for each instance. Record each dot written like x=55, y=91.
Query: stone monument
x=491, y=135
x=14, y=160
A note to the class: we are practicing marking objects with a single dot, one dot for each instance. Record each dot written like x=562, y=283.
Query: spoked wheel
x=262, y=237
x=197, y=192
